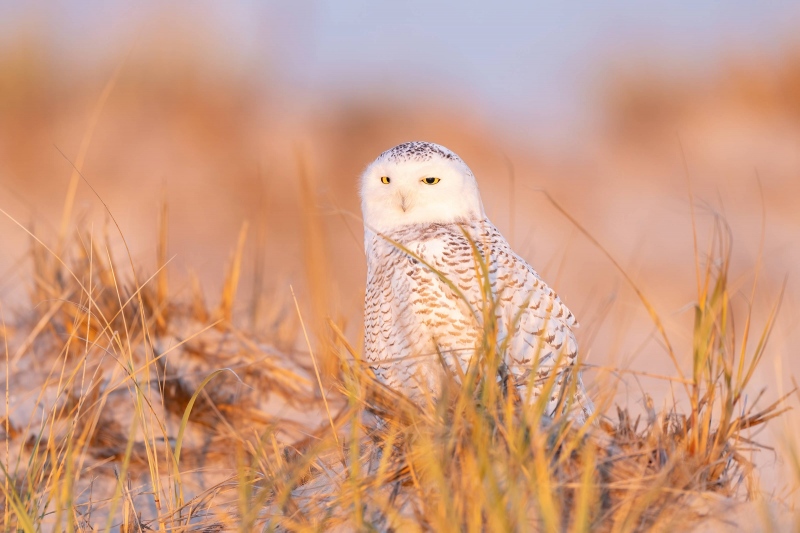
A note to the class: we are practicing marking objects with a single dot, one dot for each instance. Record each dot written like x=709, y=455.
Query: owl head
x=418, y=183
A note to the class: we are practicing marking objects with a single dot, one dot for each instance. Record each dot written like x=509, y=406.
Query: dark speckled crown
x=418, y=151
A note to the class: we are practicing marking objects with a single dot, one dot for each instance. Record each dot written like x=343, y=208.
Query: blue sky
x=518, y=62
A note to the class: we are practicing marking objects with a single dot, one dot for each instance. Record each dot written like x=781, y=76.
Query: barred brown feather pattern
x=425, y=304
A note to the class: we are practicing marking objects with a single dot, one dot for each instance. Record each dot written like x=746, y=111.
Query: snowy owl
x=424, y=228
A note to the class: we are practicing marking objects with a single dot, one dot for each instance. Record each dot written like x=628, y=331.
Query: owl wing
x=536, y=329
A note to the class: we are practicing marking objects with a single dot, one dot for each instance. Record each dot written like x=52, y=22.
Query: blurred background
x=627, y=114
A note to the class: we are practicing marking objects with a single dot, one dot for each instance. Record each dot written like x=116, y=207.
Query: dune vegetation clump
x=129, y=407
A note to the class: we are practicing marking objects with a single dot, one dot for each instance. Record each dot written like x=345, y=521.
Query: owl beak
x=405, y=204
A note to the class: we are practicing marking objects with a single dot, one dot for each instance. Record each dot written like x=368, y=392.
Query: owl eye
x=385, y=180
x=431, y=181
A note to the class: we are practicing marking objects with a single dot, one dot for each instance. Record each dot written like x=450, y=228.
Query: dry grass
x=129, y=409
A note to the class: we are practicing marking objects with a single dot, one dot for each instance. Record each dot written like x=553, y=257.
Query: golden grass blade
x=695, y=247
x=10, y=493
x=86, y=142
x=316, y=368
x=315, y=261
x=188, y=411
x=232, y=279
x=586, y=497
x=647, y=305
x=39, y=327
x=162, y=282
